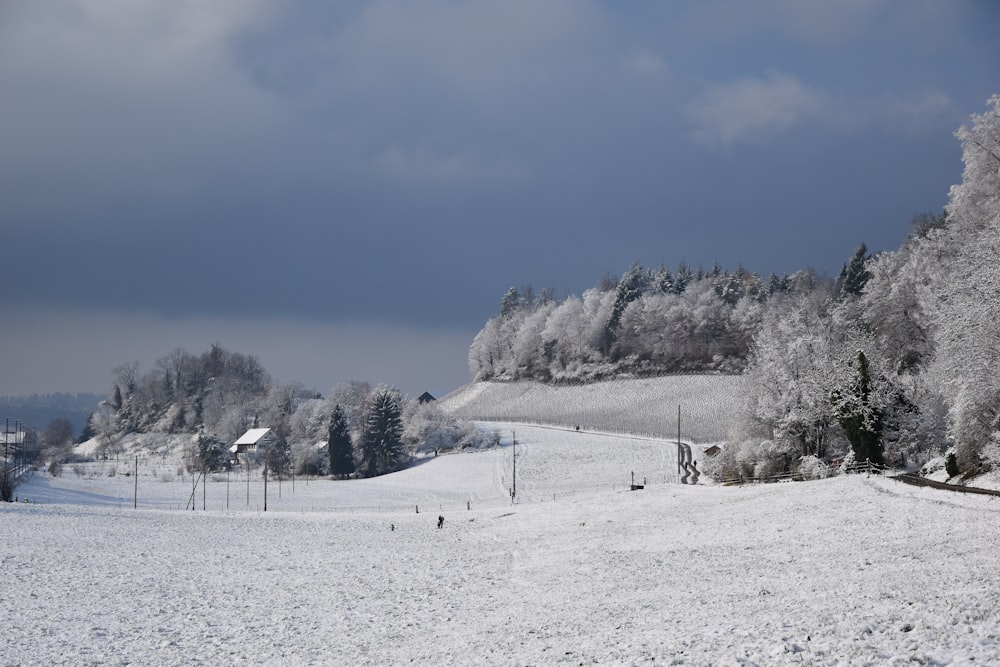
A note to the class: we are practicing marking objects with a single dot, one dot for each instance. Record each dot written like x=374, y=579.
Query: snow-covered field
x=648, y=406
x=850, y=570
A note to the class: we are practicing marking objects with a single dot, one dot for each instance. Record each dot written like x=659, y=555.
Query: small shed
x=253, y=440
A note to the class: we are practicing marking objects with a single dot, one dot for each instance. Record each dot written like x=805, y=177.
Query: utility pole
x=267, y=452
x=678, y=439
x=135, y=496
x=6, y=443
x=513, y=488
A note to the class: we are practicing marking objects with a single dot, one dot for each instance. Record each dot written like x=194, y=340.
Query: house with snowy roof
x=254, y=440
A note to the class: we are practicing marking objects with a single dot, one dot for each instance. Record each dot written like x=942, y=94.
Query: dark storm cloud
x=403, y=163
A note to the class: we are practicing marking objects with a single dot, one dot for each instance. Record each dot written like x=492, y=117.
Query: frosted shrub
x=768, y=467
x=934, y=465
x=848, y=464
x=716, y=467
x=79, y=470
x=112, y=471
x=811, y=468
x=55, y=468
x=761, y=459
x=991, y=452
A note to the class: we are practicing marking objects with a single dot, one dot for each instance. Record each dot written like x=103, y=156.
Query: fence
x=866, y=468
x=916, y=480
x=14, y=451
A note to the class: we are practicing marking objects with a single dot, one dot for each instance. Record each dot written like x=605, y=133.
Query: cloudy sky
x=346, y=188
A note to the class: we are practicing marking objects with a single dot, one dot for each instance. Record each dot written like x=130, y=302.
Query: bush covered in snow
x=812, y=468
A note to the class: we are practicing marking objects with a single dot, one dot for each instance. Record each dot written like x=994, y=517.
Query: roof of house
x=426, y=397
x=252, y=436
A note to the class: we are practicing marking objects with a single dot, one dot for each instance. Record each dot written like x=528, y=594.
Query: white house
x=254, y=440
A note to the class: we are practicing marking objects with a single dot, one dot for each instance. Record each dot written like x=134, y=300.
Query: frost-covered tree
x=530, y=356
x=354, y=399
x=861, y=412
x=791, y=375
x=57, y=440
x=310, y=421
x=429, y=429
x=975, y=202
x=967, y=302
x=630, y=288
x=894, y=305
x=309, y=459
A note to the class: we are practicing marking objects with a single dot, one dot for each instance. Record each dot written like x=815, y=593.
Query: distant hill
x=39, y=410
x=647, y=406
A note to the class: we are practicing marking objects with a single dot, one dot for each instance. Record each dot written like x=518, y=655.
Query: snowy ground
x=850, y=570
x=709, y=404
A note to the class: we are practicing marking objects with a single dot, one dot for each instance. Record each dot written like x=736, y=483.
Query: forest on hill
x=895, y=360
x=218, y=395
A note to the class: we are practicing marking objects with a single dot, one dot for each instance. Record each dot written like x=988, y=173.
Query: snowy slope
x=844, y=571
x=648, y=406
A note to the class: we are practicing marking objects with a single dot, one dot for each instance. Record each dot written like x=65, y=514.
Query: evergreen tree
x=683, y=278
x=382, y=445
x=630, y=288
x=339, y=445
x=88, y=431
x=855, y=274
x=211, y=452
x=663, y=282
x=510, y=303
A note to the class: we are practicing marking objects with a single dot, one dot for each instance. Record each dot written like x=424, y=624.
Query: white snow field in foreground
x=845, y=571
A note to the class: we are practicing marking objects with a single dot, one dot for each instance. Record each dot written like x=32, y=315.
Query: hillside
x=647, y=406
x=850, y=570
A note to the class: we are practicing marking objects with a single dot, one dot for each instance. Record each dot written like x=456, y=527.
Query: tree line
x=649, y=322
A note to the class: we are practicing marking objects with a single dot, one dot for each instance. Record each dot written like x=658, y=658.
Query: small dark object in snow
x=440, y=522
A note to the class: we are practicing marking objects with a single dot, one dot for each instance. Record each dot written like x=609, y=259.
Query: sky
x=346, y=189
